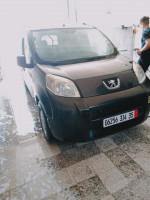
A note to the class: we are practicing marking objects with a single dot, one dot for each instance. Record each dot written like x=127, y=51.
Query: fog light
x=148, y=99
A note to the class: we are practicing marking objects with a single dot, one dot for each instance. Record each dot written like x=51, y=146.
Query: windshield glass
x=58, y=45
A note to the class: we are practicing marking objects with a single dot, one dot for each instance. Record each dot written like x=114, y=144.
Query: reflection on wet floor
x=21, y=104
x=114, y=167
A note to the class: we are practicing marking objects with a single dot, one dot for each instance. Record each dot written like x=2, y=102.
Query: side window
x=26, y=51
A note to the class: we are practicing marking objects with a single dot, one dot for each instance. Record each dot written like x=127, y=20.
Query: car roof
x=64, y=26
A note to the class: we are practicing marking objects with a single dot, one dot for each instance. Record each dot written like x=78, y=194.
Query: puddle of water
x=19, y=102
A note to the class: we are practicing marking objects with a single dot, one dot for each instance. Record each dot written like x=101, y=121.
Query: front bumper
x=82, y=119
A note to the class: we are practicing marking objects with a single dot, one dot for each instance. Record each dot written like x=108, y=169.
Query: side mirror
x=22, y=63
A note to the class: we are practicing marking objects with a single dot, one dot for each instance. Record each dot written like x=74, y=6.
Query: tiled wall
x=123, y=39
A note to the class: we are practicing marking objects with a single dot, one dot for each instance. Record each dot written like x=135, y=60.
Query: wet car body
x=82, y=118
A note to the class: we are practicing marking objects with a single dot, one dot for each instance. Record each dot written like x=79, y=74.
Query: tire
x=44, y=124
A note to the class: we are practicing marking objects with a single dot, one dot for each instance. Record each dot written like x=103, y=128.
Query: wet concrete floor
x=114, y=167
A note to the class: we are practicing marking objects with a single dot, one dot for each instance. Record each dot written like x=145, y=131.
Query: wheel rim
x=43, y=122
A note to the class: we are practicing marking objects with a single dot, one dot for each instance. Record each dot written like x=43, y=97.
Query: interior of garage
x=115, y=167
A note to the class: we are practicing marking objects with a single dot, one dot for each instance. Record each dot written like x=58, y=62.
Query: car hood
x=89, y=77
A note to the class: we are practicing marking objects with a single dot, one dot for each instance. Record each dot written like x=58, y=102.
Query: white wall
x=123, y=12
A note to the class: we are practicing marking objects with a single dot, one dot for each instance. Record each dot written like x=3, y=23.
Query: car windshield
x=71, y=44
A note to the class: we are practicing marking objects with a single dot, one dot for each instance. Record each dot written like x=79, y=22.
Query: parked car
x=83, y=87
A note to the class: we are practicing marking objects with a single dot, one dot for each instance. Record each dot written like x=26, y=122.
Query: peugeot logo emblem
x=112, y=84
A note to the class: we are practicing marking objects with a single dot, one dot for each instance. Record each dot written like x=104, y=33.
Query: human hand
x=138, y=52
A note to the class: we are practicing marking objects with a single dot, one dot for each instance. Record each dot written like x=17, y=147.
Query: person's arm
x=146, y=47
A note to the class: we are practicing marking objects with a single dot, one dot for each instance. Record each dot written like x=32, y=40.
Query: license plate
x=120, y=118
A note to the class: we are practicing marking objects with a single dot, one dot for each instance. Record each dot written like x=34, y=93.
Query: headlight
x=139, y=72
x=61, y=86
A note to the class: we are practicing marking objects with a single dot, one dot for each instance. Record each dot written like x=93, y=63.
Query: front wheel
x=43, y=120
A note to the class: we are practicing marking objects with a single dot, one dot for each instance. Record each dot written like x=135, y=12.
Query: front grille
x=104, y=111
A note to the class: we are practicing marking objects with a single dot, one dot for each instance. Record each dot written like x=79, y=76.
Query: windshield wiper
x=94, y=58
x=73, y=61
